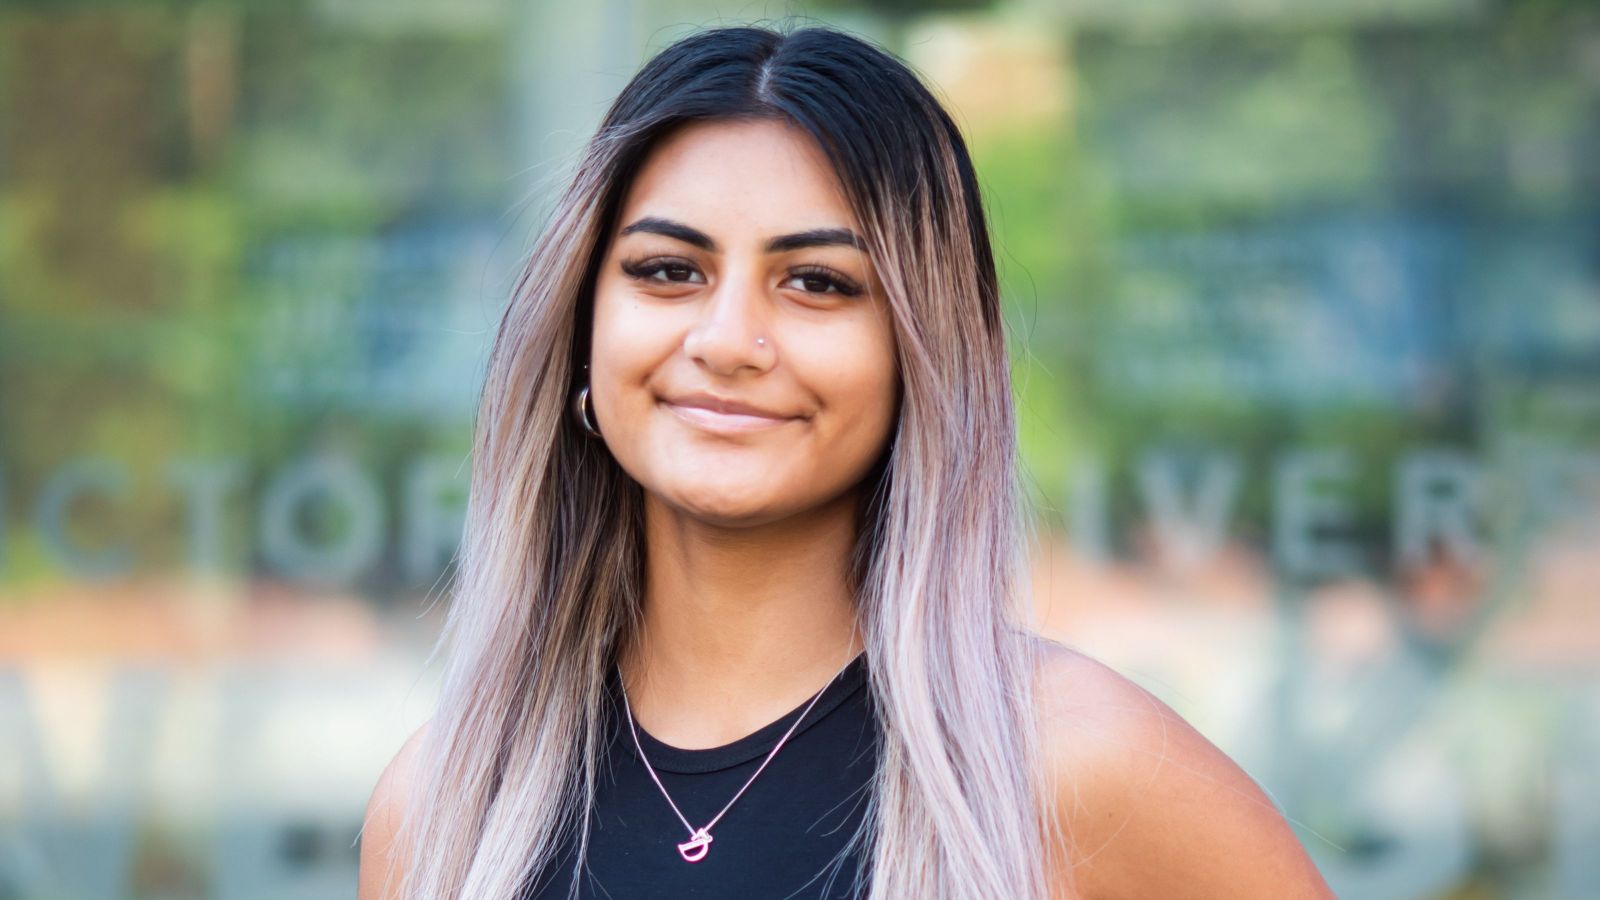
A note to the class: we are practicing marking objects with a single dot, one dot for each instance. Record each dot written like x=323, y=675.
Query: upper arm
x=382, y=858
x=1153, y=808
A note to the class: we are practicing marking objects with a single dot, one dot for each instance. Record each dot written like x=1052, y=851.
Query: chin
x=725, y=505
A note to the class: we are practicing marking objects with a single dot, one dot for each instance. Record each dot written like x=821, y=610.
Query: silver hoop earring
x=582, y=408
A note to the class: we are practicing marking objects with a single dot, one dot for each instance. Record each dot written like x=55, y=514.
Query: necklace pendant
x=694, y=849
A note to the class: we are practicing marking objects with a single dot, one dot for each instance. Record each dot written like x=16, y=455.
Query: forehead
x=755, y=177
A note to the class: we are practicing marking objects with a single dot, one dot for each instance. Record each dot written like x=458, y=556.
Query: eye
x=677, y=271
x=815, y=279
x=814, y=276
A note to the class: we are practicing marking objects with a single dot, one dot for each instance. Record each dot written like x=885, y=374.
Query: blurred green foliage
x=168, y=165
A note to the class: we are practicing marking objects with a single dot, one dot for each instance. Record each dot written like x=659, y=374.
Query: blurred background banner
x=1305, y=299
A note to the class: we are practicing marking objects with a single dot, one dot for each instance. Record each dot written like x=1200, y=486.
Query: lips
x=727, y=405
x=724, y=415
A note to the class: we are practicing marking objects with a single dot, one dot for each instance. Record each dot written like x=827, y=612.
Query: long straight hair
x=548, y=585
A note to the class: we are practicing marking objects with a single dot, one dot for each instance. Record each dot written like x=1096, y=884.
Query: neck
x=740, y=625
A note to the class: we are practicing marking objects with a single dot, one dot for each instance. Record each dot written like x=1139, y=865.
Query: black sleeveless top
x=778, y=840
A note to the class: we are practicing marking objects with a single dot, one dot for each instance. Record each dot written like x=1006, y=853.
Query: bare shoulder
x=1152, y=807
x=382, y=858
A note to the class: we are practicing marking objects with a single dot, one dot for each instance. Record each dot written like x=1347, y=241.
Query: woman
x=741, y=609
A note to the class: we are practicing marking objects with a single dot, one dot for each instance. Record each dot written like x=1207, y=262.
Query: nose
x=731, y=329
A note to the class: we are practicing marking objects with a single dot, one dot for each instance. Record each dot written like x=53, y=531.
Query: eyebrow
x=816, y=237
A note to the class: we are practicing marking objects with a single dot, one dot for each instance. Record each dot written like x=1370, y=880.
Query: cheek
x=613, y=322
x=862, y=386
x=625, y=342
x=619, y=364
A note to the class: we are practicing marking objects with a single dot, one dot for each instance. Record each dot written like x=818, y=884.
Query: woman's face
x=731, y=276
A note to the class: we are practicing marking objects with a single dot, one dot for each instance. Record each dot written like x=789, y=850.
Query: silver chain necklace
x=699, y=842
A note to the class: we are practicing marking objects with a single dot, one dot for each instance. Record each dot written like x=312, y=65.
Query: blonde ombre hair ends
x=549, y=578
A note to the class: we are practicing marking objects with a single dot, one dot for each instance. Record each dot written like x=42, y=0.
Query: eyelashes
x=843, y=285
x=646, y=270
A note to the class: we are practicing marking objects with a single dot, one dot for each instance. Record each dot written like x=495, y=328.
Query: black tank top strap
x=756, y=745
